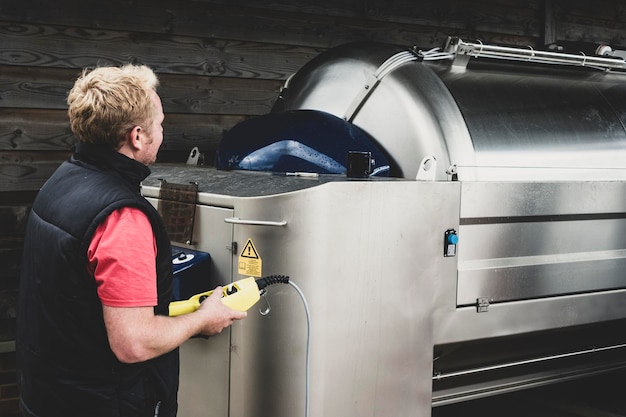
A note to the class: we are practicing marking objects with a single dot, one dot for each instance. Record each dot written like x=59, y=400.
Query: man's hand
x=217, y=315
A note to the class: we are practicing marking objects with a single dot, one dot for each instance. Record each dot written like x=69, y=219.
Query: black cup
x=359, y=164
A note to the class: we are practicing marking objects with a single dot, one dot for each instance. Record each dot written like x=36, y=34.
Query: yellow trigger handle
x=240, y=295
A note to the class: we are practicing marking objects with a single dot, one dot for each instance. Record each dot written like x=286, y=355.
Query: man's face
x=152, y=136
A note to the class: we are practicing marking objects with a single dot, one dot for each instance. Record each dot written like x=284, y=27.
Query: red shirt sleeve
x=122, y=259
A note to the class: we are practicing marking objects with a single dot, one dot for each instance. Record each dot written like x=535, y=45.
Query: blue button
x=453, y=239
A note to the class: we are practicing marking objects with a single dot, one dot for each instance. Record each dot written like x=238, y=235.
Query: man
x=94, y=335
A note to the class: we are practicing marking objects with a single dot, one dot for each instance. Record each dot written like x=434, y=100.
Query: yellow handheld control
x=240, y=295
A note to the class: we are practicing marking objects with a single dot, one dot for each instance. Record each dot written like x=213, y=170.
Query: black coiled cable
x=272, y=279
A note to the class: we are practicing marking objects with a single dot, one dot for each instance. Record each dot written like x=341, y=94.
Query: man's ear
x=135, y=137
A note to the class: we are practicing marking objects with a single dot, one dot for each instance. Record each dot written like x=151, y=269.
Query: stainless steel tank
x=488, y=119
x=490, y=261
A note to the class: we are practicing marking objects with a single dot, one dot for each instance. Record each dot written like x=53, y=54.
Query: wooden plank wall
x=220, y=62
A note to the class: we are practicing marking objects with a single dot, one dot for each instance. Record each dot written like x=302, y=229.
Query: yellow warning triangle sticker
x=249, y=251
x=250, y=262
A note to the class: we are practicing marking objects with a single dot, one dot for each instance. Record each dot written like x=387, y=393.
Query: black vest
x=66, y=365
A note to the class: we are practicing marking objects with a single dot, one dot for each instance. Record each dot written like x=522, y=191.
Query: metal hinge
x=232, y=248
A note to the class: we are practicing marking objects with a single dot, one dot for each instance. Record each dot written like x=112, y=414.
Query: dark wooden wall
x=219, y=61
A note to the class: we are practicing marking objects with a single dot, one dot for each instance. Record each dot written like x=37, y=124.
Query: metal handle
x=237, y=220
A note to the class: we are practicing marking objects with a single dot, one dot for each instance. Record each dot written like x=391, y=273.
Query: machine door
x=204, y=362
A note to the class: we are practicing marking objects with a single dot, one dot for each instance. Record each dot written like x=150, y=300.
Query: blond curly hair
x=107, y=102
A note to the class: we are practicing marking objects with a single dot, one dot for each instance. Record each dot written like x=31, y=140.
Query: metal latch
x=482, y=304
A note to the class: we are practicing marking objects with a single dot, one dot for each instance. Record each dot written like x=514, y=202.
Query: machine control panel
x=239, y=295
